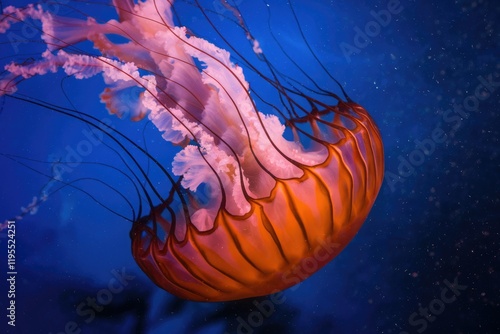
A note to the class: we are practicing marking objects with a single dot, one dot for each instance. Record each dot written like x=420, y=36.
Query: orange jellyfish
x=258, y=202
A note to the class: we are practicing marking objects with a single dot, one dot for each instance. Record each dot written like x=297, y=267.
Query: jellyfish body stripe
x=336, y=222
x=247, y=209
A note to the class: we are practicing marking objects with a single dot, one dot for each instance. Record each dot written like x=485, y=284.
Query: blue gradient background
x=439, y=223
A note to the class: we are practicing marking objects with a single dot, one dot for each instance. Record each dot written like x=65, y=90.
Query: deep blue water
x=430, y=77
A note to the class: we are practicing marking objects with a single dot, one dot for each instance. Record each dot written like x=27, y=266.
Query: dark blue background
x=434, y=220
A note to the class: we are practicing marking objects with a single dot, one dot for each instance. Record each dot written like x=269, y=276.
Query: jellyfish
x=261, y=196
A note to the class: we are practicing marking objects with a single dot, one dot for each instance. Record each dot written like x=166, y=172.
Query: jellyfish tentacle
x=255, y=207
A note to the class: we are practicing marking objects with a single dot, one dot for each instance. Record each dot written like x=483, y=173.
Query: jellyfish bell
x=258, y=201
